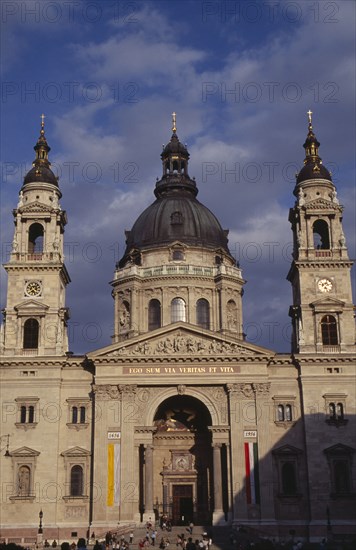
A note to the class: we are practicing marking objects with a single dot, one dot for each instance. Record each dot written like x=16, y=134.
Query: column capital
x=261, y=388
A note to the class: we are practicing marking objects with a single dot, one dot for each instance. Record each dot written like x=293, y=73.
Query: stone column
x=218, y=514
x=148, y=483
x=263, y=408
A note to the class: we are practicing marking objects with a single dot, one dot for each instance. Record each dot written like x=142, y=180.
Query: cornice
x=181, y=359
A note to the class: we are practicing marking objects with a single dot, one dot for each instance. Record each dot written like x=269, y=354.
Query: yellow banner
x=110, y=495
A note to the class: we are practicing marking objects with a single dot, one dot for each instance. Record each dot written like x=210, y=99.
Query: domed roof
x=176, y=214
x=176, y=217
x=40, y=174
x=313, y=171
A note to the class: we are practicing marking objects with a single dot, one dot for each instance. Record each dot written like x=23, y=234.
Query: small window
x=31, y=414
x=288, y=413
x=176, y=218
x=321, y=235
x=154, y=314
x=76, y=481
x=82, y=415
x=30, y=334
x=329, y=331
x=289, y=482
x=284, y=412
x=74, y=415
x=332, y=410
x=177, y=255
x=340, y=410
x=177, y=310
x=23, y=414
x=203, y=313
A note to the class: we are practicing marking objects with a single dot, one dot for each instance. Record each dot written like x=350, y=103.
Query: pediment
x=181, y=339
x=327, y=303
x=35, y=207
x=287, y=450
x=322, y=204
x=339, y=449
x=76, y=451
x=28, y=306
x=25, y=452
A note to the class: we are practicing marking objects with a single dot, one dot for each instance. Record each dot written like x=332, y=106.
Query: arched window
x=288, y=413
x=329, y=331
x=280, y=413
x=35, y=239
x=23, y=414
x=340, y=410
x=30, y=334
x=24, y=481
x=321, y=235
x=332, y=410
x=203, y=313
x=177, y=310
x=154, y=314
x=74, y=415
x=82, y=415
x=31, y=414
x=289, y=482
x=76, y=481
x=341, y=476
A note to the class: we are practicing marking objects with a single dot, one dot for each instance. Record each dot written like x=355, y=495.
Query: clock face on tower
x=325, y=285
x=33, y=288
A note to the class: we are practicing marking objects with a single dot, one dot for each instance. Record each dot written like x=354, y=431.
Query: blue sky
x=241, y=77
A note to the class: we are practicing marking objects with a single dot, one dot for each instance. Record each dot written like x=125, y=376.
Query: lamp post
x=40, y=529
x=328, y=523
x=7, y=452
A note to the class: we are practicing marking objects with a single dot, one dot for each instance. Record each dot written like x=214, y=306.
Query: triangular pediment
x=287, y=450
x=339, y=449
x=30, y=306
x=76, y=451
x=25, y=452
x=36, y=206
x=327, y=304
x=322, y=204
x=181, y=339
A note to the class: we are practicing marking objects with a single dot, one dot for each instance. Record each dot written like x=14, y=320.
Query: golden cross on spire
x=174, y=122
x=309, y=113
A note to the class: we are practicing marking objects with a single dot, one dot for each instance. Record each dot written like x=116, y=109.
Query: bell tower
x=35, y=317
x=322, y=311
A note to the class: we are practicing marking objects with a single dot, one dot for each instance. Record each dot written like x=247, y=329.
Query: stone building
x=180, y=415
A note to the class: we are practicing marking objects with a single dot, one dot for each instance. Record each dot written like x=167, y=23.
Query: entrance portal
x=182, y=461
x=182, y=504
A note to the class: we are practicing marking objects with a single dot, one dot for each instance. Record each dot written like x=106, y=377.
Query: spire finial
x=42, y=123
x=309, y=113
x=174, y=123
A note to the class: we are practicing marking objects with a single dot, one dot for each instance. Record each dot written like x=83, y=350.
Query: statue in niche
x=23, y=487
x=124, y=317
x=231, y=315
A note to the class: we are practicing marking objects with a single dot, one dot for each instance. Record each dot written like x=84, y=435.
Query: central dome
x=176, y=214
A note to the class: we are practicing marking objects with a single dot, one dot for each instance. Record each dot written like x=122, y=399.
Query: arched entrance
x=182, y=461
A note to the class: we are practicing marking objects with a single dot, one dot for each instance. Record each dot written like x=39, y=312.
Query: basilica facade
x=180, y=416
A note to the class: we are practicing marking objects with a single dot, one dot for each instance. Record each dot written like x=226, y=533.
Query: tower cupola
x=313, y=165
x=41, y=167
x=175, y=157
